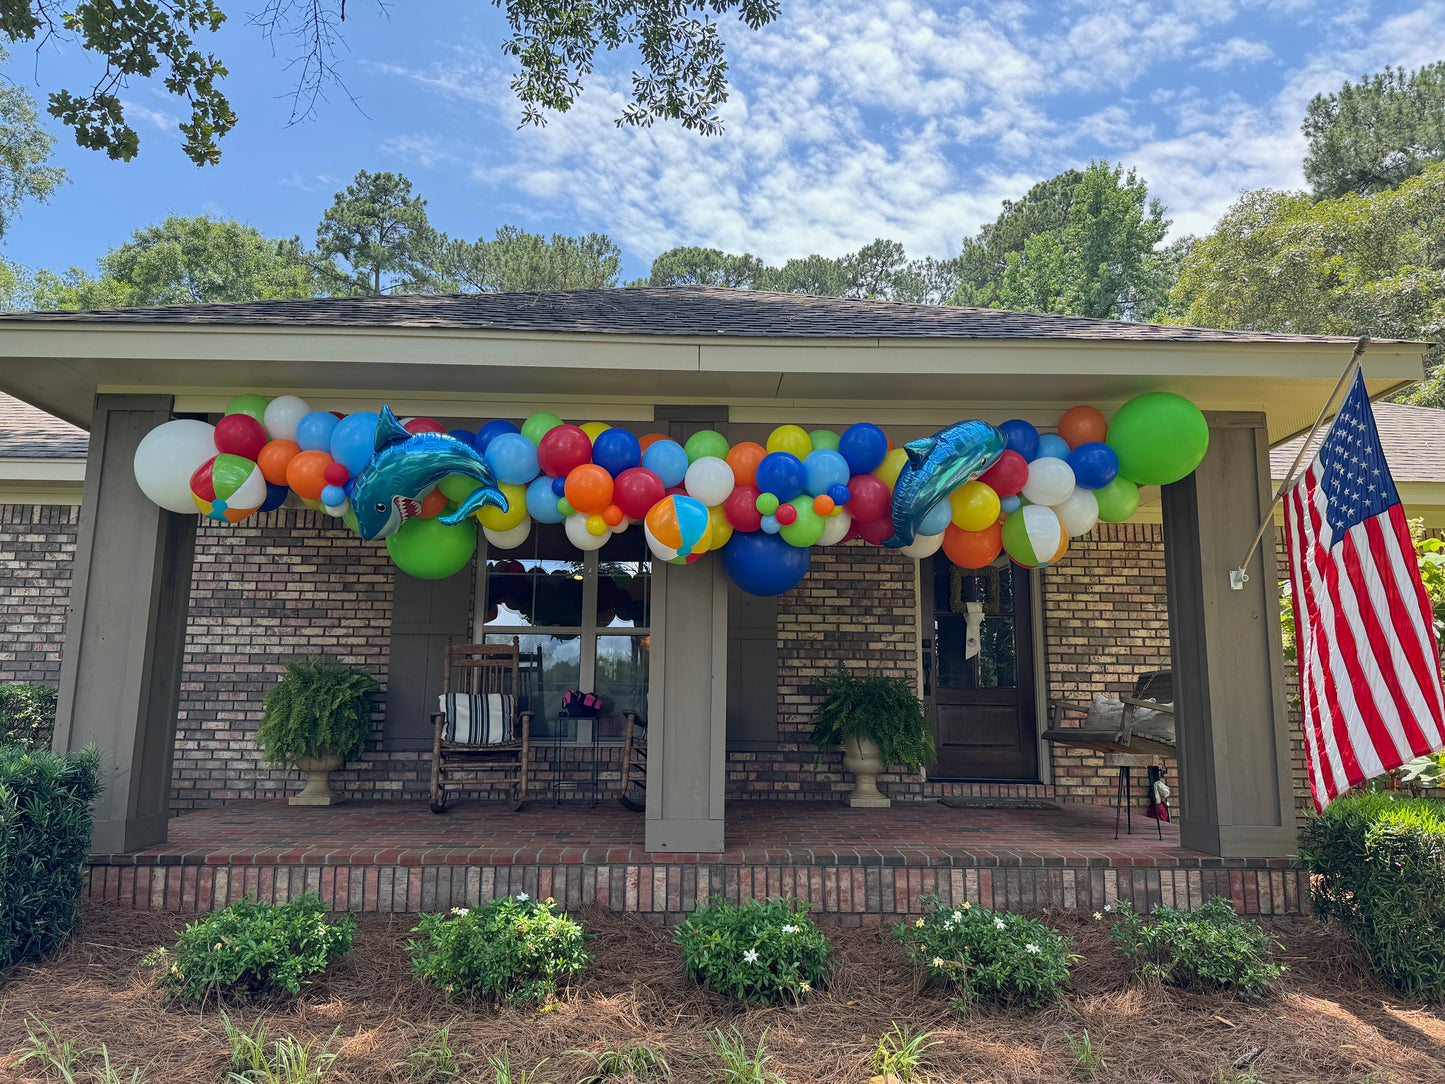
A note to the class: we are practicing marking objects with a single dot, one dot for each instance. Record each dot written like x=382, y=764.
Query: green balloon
x=253, y=405
x=824, y=438
x=767, y=503
x=1117, y=501
x=565, y=507
x=457, y=487
x=430, y=550
x=538, y=425
x=349, y=518
x=1159, y=437
x=807, y=528
x=704, y=443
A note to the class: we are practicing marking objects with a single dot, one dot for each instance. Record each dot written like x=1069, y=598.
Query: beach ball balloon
x=228, y=488
x=678, y=526
x=166, y=458
x=1033, y=536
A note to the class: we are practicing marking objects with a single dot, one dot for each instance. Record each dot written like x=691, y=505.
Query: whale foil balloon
x=936, y=466
x=405, y=468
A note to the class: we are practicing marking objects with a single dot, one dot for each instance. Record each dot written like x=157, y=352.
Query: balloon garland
x=972, y=490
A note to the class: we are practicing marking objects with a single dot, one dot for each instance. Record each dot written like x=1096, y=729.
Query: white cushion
x=476, y=719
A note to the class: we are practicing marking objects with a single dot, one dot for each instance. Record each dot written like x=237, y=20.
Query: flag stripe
x=1410, y=590
x=1315, y=749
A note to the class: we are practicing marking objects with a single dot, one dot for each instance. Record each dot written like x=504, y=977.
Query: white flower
x=998, y=923
x=1098, y=916
x=958, y=916
x=522, y=897
x=938, y=961
x=459, y=911
x=948, y=925
x=751, y=956
x=1108, y=906
x=790, y=929
x=1032, y=948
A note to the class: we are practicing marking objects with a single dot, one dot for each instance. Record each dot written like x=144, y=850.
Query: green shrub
x=251, y=949
x=512, y=951
x=759, y=952
x=27, y=714
x=320, y=707
x=987, y=956
x=44, y=837
x=882, y=708
x=1210, y=948
x=1378, y=861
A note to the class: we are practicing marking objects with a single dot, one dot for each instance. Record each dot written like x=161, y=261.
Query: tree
x=381, y=233
x=516, y=260
x=983, y=258
x=1373, y=134
x=24, y=150
x=688, y=266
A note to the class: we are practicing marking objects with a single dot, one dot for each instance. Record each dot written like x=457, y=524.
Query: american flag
x=1369, y=669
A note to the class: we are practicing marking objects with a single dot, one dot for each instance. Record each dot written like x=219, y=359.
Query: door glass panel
x=995, y=665
x=622, y=666
x=551, y=665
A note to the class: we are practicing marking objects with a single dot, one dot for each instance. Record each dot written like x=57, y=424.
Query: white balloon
x=709, y=479
x=511, y=538
x=925, y=545
x=166, y=458
x=1079, y=512
x=1050, y=481
x=337, y=510
x=626, y=523
x=283, y=413
x=835, y=527
x=581, y=537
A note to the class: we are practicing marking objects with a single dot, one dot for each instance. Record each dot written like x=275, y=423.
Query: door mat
x=1001, y=803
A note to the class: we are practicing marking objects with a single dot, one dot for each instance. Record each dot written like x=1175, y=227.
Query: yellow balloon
x=975, y=506
x=498, y=520
x=593, y=428
x=790, y=438
x=596, y=525
x=719, y=528
x=892, y=464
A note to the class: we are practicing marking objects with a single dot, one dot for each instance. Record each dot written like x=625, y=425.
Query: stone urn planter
x=317, y=771
x=862, y=759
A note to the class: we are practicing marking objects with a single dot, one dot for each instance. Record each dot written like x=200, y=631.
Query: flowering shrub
x=1211, y=948
x=252, y=948
x=759, y=952
x=513, y=951
x=987, y=956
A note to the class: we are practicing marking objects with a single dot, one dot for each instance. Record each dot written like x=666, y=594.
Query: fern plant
x=320, y=707
x=882, y=708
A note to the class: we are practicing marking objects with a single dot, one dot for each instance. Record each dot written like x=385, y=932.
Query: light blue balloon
x=771, y=524
x=513, y=458
x=937, y=519
x=353, y=440
x=667, y=460
x=542, y=502
x=825, y=468
x=1010, y=504
x=313, y=432
x=1051, y=444
x=333, y=495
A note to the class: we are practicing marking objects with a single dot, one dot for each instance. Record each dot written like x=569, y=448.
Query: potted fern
x=316, y=717
x=876, y=721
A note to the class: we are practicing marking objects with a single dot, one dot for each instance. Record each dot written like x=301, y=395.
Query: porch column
x=1230, y=713
x=125, y=629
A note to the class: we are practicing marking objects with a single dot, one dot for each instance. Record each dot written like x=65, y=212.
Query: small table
x=569, y=726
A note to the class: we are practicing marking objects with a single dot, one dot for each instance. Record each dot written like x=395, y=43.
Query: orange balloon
x=433, y=504
x=651, y=439
x=1082, y=424
x=612, y=515
x=272, y=460
x=823, y=504
x=589, y=488
x=973, y=549
x=744, y=459
x=306, y=474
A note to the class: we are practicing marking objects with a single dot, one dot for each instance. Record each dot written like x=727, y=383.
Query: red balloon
x=1008, y=475
x=636, y=490
x=741, y=508
x=423, y=425
x=433, y=504
x=240, y=434
x=786, y=514
x=869, y=498
x=337, y=474
x=563, y=449
x=875, y=531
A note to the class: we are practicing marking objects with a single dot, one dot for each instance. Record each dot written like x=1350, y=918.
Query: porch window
x=583, y=622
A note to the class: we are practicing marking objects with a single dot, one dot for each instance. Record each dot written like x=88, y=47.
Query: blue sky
x=849, y=120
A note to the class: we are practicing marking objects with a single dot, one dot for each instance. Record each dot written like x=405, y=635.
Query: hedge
x=27, y=713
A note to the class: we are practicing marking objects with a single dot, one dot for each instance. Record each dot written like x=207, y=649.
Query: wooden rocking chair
x=634, y=764
x=488, y=676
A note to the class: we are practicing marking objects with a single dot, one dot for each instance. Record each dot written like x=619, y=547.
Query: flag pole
x=1238, y=577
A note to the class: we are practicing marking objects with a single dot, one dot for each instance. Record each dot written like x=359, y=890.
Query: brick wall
x=37, y=550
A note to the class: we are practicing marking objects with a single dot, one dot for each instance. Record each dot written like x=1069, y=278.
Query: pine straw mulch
x=1330, y=1023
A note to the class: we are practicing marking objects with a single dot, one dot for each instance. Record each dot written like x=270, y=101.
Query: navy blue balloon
x=491, y=430
x=764, y=564
x=863, y=445
x=466, y=436
x=616, y=450
x=781, y=474
x=839, y=494
x=559, y=486
x=1021, y=437
x=1095, y=465
x=275, y=497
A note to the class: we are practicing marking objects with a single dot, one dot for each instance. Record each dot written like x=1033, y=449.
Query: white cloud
x=156, y=118
x=1224, y=54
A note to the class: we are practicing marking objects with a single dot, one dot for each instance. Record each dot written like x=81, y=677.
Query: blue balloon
x=937, y=519
x=771, y=524
x=333, y=495
x=1095, y=465
x=559, y=487
x=1010, y=504
x=863, y=445
x=840, y=495
x=313, y=432
x=616, y=450
x=513, y=458
x=781, y=474
x=466, y=436
x=275, y=497
x=489, y=432
x=667, y=460
x=353, y=440
x=764, y=564
x=542, y=502
x=1021, y=437
x=1053, y=446
x=825, y=468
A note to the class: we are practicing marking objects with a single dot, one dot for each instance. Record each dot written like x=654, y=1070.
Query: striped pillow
x=474, y=719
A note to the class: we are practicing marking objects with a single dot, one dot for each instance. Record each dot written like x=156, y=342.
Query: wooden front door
x=983, y=706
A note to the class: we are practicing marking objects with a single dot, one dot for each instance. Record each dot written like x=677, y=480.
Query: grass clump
x=1211, y=948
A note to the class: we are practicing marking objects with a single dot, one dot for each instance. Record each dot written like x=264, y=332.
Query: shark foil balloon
x=405, y=468
x=936, y=466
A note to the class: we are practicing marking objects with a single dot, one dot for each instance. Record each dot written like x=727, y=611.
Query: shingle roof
x=693, y=311
x=27, y=432
x=1413, y=438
